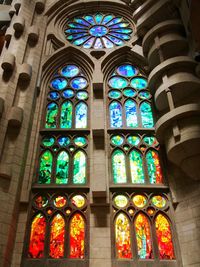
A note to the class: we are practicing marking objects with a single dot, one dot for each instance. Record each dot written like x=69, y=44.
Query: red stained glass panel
x=36, y=245
x=164, y=237
x=57, y=237
x=122, y=237
x=143, y=237
x=77, y=237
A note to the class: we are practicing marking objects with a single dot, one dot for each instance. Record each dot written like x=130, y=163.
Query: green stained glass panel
x=66, y=115
x=133, y=140
x=117, y=140
x=79, y=168
x=48, y=141
x=62, y=168
x=121, y=201
x=51, y=115
x=136, y=166
x=150, y=140
x=146, y=114
x=45, y=168
x=119, y=167
x=81, y=115
x=80, y=141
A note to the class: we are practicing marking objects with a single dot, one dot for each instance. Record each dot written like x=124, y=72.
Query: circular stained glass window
x=59, y=83
x=133, y=140
x=48, y=141
x=150, y=140
x=117, y=140
x=78, y=201
x=63, y=141
x=80, y=141
x=118, y=82
x=121, y=201
x=129, y=92
x=41, y=202
x=139, y=201
x=139, y=83
x=114, y=94
x=82, y=95
x=144, y=95
x=53, y=95
x=127, y=70
x=59, y=201
x=159, y=201
x=68, y=94
x=79, y=83
x=98, y=31
x=70, y=71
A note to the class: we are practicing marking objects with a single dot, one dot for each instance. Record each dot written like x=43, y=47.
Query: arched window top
x=98, y=31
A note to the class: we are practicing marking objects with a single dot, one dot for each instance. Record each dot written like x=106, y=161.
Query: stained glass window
x=132, y=109
x=164, y=237
x=77, y=237
x=98, y=31
x=133, y=213
x=135, y=159
x=63, y=234
x=69, y=83
x=63, y=153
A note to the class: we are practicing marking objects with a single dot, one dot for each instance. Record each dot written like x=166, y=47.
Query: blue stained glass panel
x=75, y=25
x=68, y=93
x=81, y=115
x=75, y=30
x=107, y=43
x=129, y=92
x=82, y=95
x=133, y=140
x=117, y=140
x=122, y=30
x=120, y=35
x=59, y=83
x=127, y=70
x=81, y=21
x=81, y=40
x=115, y=40
x=120, y=25
x=115, y=115
x=63, y=141
x=79, y=83
x=106, y=19
x=131, y=114
x=90, y=19
x=70, y=71
x=139, y=83
x=98, y=30
x=89, y=43
x=114, y=94
x=76, y=36
x=144, y=95
x=98, y=44
x=118, y=82
x=114, y=21
x=54, y=95
x=98, y=18
x=146, y=115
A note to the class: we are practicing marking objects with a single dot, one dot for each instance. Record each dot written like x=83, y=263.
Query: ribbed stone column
x=173, y=83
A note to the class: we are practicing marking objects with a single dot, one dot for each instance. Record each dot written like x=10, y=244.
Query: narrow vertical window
x=153, y=166
x=136, y=167
x=66, y=115
x=131, y=114
x=45, y=168
x=122, y=237
x=62, y=168
x=51, y=115
x=79, y=168
x=37, y=237
x=146, y=115
x=143, y=237
x=81, y=115
x=77, y=237
x=57, y=236
x=164, y=237
x=119, y=167
x=115, y=115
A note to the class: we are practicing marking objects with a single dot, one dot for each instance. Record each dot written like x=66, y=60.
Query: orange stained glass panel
x=122, y=237
x=57, y=237
x=38, y=229
x=143, y=237
x=164, y=237
x=77, y=237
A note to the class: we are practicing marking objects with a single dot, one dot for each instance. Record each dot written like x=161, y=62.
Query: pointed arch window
x=136, y=216
x=65, y=227
x=67, y=99
x=135, y=159
x=69, y=156
x=129, y=99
